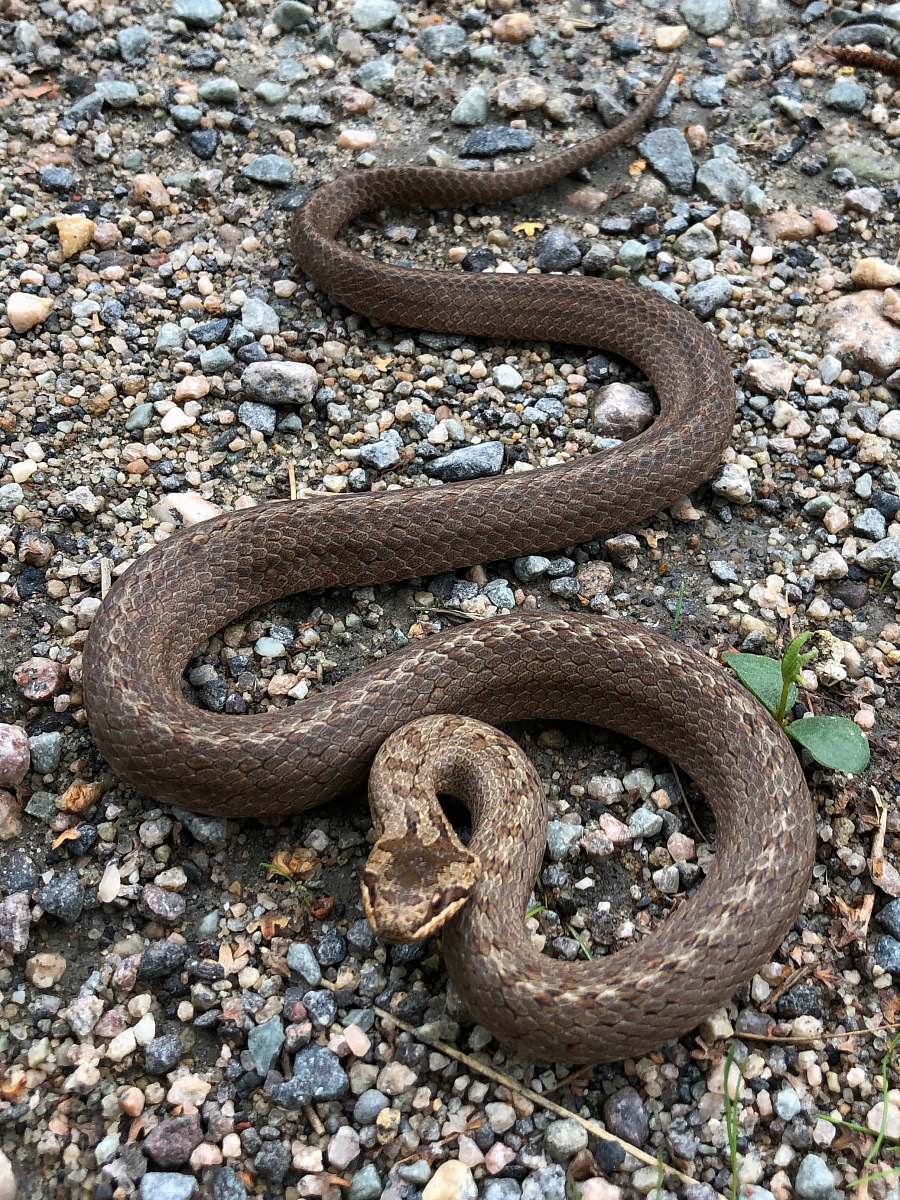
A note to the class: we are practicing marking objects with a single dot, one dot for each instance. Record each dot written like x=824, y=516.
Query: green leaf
x=761, y=676
x=833, y=742
x=793, y=660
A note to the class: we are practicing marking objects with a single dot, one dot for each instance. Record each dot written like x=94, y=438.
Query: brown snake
x=560, y=666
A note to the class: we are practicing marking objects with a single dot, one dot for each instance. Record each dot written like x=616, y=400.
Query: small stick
x=292, y=479
x=684, y=800
x=105, y=577
x=313, y=1118
x=833, y=1035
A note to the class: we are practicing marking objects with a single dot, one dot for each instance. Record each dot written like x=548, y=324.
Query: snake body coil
x=196, y=582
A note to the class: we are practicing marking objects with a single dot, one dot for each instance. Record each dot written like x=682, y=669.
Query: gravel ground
x=178, y=1019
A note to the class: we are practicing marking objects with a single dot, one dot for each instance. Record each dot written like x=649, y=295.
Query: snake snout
x=410, y=889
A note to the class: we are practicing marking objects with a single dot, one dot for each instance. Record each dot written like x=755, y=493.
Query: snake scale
x=556, y=665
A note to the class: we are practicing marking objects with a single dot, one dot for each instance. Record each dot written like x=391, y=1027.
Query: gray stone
x=15, y=923
x=374, y=14
x=301, y=961
x=162, y=1053
x=309, y=116
x=761, y=16
x=132, y=42
x=884, y=556
x=377, y=76
x=169, y=339
x=723, y=571
x=321, y=1006
x=264, y=1043
x=220, y=90
x=280, y=383
x=45, y=751
x=707, y=297
x=531, y=567
x=608, y=105
x=624, y=1114
x=17, y=872
x=369, y=1105
x=382, y=455
x=259, y=317
x=470, y=462
x=209, y=831
x=787, y=1103
x=709, y=90
x=870, y=524
x=139, y=418
x=632, y=254
x=271, y=92
x=291, y=14
x=257, y=416
x=471, y=109
x=644, y=823
x=167, y=1185
x=186, y=116
x=846, y=95
x=887, y=955
x=226, y=1185
x=198, y=14
x=668, y=153
x=366, y=1184
x=11, y=494
x=561, y=837
x=814, y=1180
x=564, y=1139
x=318, y=1075
x=707, y=17
x=502, y=1189
x=557, y=252
x=549, y=1183
x=889, y=917
x=698, y=241
x=500, y=594
x=272, y=169
x=722, y=180
x=116, y=93
x=438, y=42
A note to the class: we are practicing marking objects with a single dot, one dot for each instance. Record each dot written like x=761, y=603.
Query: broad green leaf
x=793, y=661
x=761, y=676
x=833, y=742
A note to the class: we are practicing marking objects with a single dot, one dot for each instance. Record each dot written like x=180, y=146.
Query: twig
x=577, y=1077
x=445, y=612
x=105, y=577
x=684, y=800
x=833, y=1035
x=786, y=984
x=876, y=862
x=537, y=1098
x=292, y=479
x=313, y=1118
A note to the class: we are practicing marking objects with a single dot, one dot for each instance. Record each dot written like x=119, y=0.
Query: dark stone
x=486, y=143
x=62, y=897
x=161, y=959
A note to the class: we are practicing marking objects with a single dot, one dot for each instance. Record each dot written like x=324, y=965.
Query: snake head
x=412, y=887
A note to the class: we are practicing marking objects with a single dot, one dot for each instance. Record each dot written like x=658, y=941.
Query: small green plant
x=732, y=1107
x=878, y=1146
x=834, y=742
x=679, y=610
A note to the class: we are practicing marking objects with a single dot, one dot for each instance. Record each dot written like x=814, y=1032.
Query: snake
x=564, y=665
